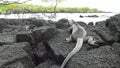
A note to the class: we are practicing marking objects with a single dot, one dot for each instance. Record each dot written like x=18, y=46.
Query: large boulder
x=100, y=24
x=24, y=45
x=44, y=33
x=7, y=38
x=109, y=30
x=114, y=24
x=24, y=36
x=38, y=22
x=10, y=55
x=3, y=24
x=91, y=23
x=44, y=52
x=104, y=34
x=102, y=57
x=37, y=35
x=62, y=23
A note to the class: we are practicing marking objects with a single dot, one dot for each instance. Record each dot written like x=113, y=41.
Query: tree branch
x=18, y=1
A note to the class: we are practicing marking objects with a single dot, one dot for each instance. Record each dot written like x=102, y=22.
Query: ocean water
x=74, y=16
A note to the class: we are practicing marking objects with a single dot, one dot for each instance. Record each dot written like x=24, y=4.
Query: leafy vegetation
x=28, y=8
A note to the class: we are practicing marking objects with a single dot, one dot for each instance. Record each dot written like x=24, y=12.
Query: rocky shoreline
x=38, y=43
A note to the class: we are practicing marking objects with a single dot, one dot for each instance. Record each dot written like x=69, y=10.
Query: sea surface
x=75, y=16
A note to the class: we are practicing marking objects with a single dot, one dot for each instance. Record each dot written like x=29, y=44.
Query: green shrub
x=29, y=8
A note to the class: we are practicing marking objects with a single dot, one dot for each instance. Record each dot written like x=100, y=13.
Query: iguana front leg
x=69, y=39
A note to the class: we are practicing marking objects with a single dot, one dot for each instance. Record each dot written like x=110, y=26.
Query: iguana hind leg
x=91, y=41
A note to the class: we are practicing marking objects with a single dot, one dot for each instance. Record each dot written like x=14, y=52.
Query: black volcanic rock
x=113, y=24
x=7, y=38
x=89, y=57
x=10, y=55
x=3, y=24
x=116, y=47
x=43, y=45
x=81, y=16
x=62, y=24
x=105, y=35
x=95, y=58
x=91, y=23
x=95, y=16
x=36, y=35
x=43, y=33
